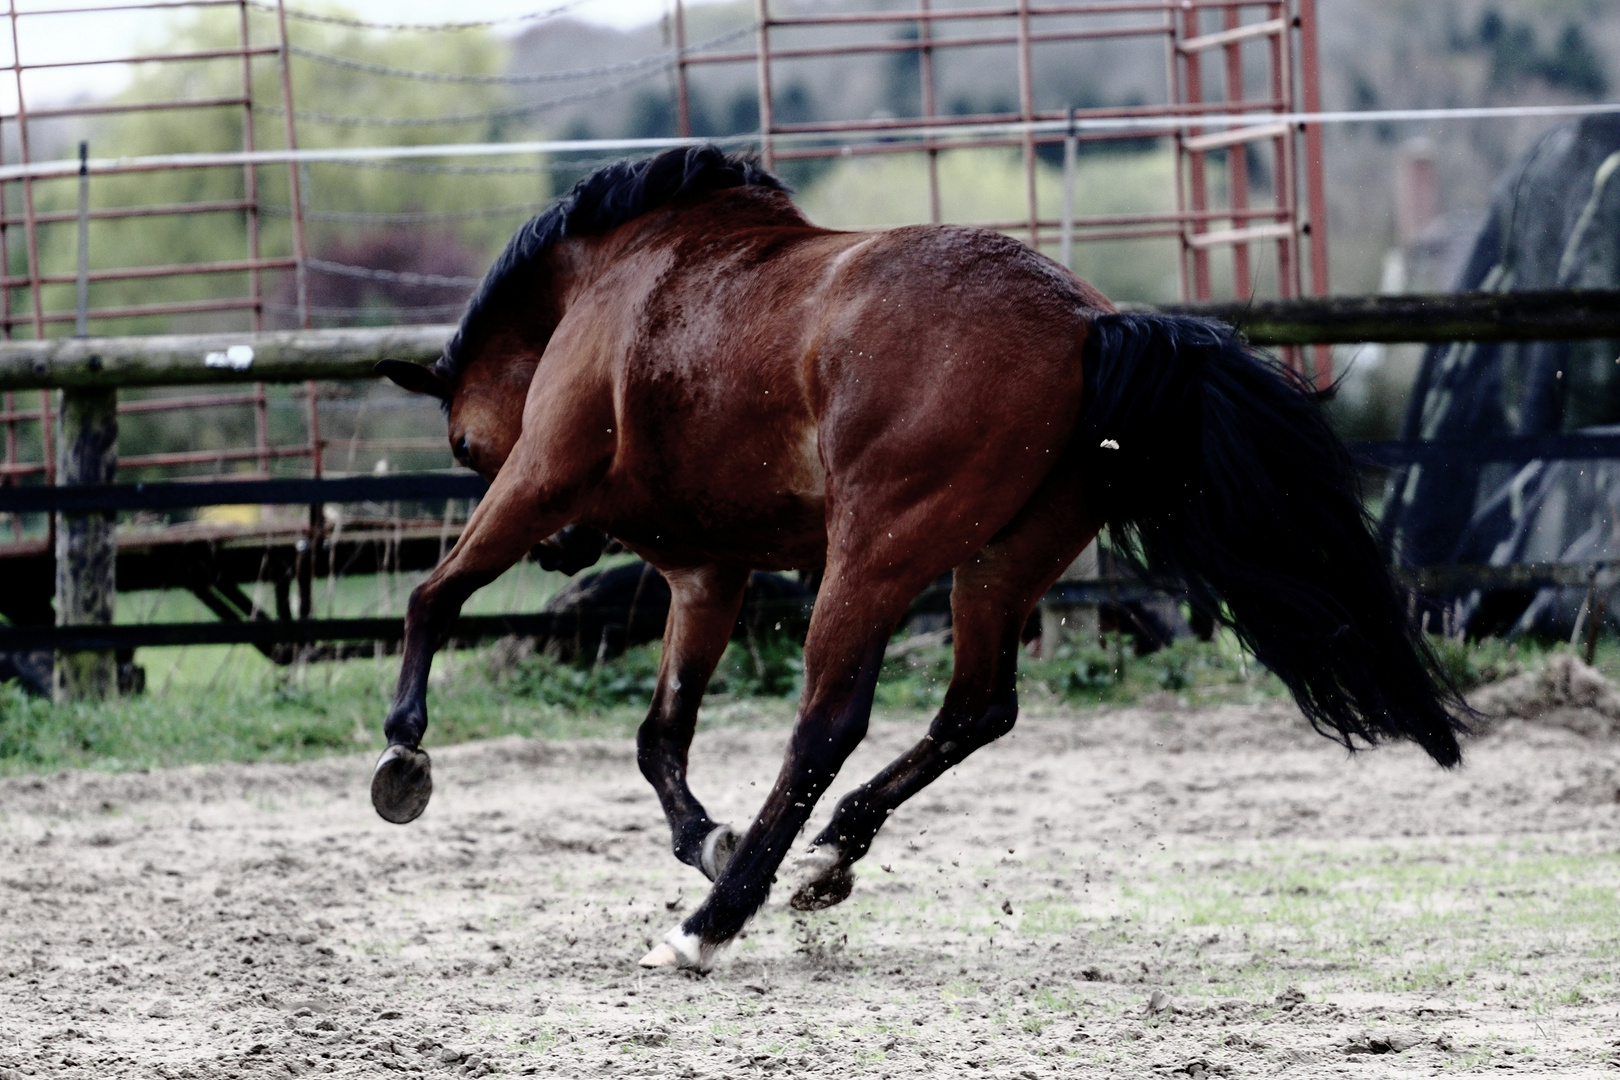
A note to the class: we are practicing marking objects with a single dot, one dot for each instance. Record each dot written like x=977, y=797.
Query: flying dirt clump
x=1563, y=693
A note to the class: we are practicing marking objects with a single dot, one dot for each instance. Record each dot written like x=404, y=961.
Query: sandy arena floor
x=1153, y=891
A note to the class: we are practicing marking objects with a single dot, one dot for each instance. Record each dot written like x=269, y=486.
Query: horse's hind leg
x=854, y=615
x=703, y=609
x=992, y=596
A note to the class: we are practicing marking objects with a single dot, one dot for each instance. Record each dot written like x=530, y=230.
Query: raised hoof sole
x=402, y=784
x=827, y=889
x=718, y=848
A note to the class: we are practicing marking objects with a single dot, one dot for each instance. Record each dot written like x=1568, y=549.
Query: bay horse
x=672, y=355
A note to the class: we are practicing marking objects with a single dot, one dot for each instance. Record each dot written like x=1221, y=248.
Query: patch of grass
x=1109, y=673
x=1469, y=664
x=1425, y=917
x=211, y=704
x=219, y=703
x=230, y=704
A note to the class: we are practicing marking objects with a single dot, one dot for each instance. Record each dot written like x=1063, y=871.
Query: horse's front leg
x=849, y=630
x=511, y=519
x=703, y=608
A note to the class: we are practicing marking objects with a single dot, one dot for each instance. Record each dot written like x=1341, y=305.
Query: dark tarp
x=1554, y=222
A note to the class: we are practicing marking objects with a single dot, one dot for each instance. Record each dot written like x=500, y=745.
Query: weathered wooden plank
x=296, y=355
x=180, y=494
x=201, y=359
x=86, y=548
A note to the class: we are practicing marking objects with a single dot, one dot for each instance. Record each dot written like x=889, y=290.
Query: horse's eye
x=462, y=451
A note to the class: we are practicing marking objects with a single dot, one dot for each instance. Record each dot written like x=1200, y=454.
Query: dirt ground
x=1150, y=891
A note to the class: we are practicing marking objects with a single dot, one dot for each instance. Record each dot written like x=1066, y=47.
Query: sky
x=49, y=38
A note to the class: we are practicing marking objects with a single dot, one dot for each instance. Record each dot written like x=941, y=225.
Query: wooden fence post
x=1061, y=623
x=86, y=549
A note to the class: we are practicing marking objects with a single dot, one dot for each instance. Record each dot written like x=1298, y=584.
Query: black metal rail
x=470, y=628
x=268, y=632
x=175, y=495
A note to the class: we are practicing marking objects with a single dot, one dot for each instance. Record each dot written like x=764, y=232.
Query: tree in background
x=386, y=212
x=1515, y=52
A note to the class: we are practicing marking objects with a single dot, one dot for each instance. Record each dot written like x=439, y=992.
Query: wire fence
x=330, y=19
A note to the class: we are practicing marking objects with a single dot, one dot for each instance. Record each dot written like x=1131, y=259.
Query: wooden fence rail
x=184, y=494
x=211, y=359
x=297, y=355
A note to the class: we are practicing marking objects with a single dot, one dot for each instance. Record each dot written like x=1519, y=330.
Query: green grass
x=219, y=703
x=1107, y=674
x=1539, y=920
x=1532, y=920
x=229, y=703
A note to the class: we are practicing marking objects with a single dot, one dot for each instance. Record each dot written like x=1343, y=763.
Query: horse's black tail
x=1217, y=465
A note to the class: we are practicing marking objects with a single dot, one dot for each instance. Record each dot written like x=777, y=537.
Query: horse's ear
x=417, y=378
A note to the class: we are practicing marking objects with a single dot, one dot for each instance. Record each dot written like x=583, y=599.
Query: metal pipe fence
x=270, y=281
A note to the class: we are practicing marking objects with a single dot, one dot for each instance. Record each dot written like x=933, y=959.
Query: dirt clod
x=1562, y=693
x=1388, y=1042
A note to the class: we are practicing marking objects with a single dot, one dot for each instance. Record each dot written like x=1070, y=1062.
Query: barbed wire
x=398, y=277
x=443, y=27
x=553, y=165
x=510, y=112
x=520, y=79
x=424, y=311
x=402, y=217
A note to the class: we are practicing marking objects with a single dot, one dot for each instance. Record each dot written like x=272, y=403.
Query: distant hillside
x=853, y=87
x=1375, y=54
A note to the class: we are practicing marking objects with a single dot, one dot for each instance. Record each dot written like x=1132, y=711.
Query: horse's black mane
x=602, y=201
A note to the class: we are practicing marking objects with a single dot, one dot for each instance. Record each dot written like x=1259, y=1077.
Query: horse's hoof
x=680, y=950
x=402, y=784
x=662, y=956
x=718, y=848
x=824, y=880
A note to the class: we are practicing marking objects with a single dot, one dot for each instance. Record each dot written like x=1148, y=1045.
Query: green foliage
x=1113, y=673
x=768, y=666
x=1515, y=54
x=1474, y=663
x=983, y=185
x=233, y=722
x=1107, y=673
x=319, y=88
x=626, y=680
x=230, y=704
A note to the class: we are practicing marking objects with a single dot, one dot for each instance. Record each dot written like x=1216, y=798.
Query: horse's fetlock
x=998, y=720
